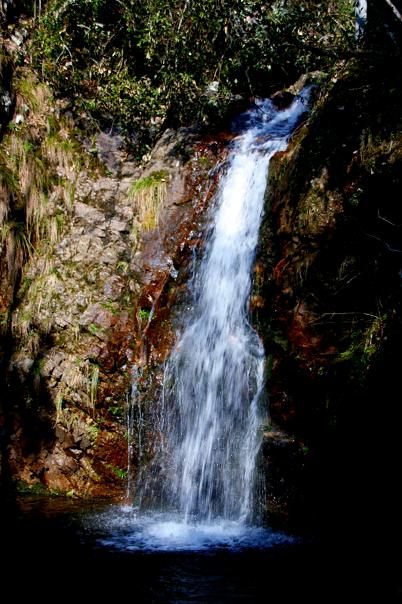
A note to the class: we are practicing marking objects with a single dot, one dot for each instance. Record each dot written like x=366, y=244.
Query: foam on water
x=126, y=530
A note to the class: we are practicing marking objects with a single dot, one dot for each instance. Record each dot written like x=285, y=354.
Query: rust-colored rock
x=100, y=307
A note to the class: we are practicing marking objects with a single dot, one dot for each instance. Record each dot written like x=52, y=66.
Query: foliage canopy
x=146, y=64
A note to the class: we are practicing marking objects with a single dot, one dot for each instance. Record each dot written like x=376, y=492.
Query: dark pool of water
x=54, y=549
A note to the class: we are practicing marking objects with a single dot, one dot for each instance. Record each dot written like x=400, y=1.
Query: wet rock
x=81, y=300
x=55, y=478
x=53, y=364
x=63, y=321
x=80, y=429
x=316, y=78
x=175, y=147
x=96, y=351
x=110, y=256
x=104, y=319
x=124, y=189
x=282, y=99
x=100, y=231
x=90, y=339
x=288, y=466
x=130, y=169
x=101, y=193
x=85, y=443
x=89, y=315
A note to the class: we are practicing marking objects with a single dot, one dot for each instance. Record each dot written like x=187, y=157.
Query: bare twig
x=389, y=248
x=386, y=220
x=394, y=9
x=187, y=2
x=353, y=316
x=346, y=283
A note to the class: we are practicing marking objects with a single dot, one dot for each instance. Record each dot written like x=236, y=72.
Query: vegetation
x=139, y=66
x=93, y=386
x=144, y=65
x=148, y=195
x=39, y=159
x=119, y=472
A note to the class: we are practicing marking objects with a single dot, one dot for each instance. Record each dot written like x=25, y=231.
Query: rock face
x=95, y=253
x=70, y=360
x=328, y=290
x=94, y=283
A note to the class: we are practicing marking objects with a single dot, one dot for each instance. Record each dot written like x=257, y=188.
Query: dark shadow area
x=26, y=415
x=47, y=544
x=332, y=327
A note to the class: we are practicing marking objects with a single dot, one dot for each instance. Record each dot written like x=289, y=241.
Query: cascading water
x=360, y=18
x=204, y=475
x=211, y=416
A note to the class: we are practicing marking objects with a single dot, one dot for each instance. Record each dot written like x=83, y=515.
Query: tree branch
x=387, y=221
x=394, y=9
x=389, y=248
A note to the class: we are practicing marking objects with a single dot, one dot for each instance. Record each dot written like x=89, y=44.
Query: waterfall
x=200, y=490
x=360, y=17
x=211, y=409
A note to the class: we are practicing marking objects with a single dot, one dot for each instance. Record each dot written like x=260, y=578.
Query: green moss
x=38, y=366
x=111, y=306
x=123, y=267
x=204, y=162
x=5, y=318
x=144, y=314
x=364, y=348
x=148, y=194
x=122, y=474
x=93, y=329
x=116, y=411
x=36, y=489
x=147, y=182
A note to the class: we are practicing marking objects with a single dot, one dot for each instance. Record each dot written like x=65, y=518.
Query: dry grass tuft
x=148, y=195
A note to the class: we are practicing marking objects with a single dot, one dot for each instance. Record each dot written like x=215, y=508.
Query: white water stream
x=202, y=485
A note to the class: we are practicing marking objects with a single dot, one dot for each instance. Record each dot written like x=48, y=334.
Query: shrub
x=145, y=64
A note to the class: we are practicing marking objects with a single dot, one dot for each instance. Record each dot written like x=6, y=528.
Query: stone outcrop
x=96, y=250
x=82, y=311
x=93, y=274
x=328, y=289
